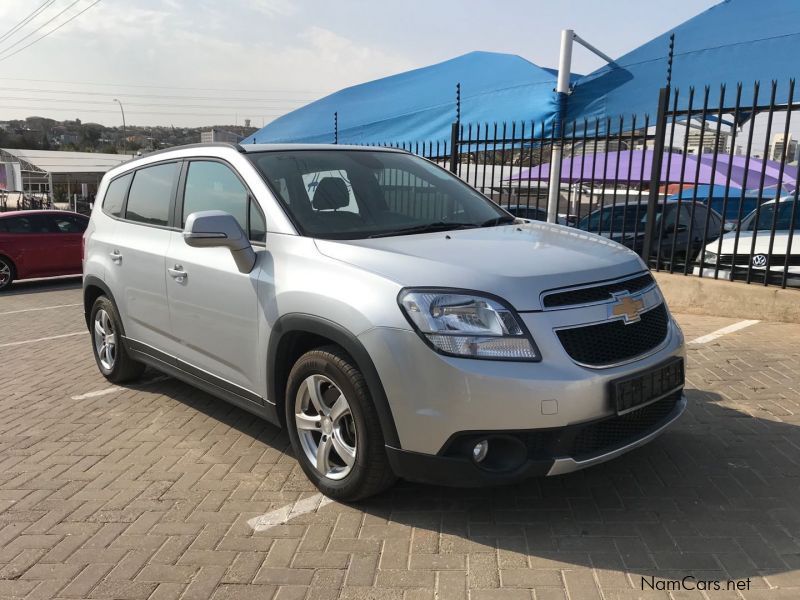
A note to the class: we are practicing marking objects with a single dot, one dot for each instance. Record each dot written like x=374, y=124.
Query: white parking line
x=44, y=339
x=288, y=512
x=24, y=310
x=117, y=388
x=725, y=330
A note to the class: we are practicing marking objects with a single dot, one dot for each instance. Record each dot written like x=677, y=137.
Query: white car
x=736, y=253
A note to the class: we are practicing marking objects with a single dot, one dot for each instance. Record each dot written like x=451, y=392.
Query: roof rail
x=236, y=146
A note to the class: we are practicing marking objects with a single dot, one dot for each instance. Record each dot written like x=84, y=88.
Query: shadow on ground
x=717, y=496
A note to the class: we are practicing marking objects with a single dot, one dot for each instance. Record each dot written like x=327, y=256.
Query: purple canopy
x=634, y=166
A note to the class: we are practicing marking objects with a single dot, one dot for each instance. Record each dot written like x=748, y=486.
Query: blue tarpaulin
x=734, y=41
x=420, y=105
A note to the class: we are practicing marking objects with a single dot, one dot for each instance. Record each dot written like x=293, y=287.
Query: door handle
x=116, y=257
x=177, y=273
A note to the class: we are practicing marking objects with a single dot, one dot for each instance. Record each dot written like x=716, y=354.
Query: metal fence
x=707, y=187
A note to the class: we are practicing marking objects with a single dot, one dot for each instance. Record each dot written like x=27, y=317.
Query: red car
x=40, y=243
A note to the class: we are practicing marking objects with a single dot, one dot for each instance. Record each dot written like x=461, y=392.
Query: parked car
x=390, y=338
x=533, y=213
x=749, y=248
x=40, y=243
x=675, y=225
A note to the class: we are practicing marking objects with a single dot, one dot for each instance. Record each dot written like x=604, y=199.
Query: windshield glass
x=354, y=194
x=617, y=218
x=767, y=213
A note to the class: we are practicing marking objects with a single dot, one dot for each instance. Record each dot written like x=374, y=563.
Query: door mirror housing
x=729, y=226
x=215, y=229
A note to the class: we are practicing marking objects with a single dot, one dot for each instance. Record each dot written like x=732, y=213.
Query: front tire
x=109, y=352
x=334, y=428
x=7, y=273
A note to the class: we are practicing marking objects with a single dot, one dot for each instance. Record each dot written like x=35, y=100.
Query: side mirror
x=214, y=229
x=729, y=226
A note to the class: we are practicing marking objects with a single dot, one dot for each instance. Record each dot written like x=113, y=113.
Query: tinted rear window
x=115, y=195
x=151, y=191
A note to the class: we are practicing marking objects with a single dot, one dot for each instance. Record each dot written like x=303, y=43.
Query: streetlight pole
x=124, y=128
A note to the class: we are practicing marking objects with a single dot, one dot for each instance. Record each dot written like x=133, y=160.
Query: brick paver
x=146, y=491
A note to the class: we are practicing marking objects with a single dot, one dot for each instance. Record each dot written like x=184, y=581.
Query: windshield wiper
x=502, y=220
x=427, y=228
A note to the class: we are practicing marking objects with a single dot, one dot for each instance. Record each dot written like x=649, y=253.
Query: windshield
x=617, y=218
x=767, y=213
x=354, y=194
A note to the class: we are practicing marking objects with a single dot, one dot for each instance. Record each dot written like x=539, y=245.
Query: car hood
x=780, y=243
x=516, y=262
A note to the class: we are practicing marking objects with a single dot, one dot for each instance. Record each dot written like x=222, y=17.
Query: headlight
x=710, y=257
x=467, y=325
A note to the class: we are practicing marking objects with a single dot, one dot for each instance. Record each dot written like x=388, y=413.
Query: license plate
x=644, y=387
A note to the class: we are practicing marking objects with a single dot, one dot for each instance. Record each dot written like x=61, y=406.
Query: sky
x=194, y=63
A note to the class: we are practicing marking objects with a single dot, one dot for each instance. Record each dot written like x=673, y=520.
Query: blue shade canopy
x=420, y=105
x=734, y=41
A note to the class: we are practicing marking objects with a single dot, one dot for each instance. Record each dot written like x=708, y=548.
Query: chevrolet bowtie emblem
x=627, y=307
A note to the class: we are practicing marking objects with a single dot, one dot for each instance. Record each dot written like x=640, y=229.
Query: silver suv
x=394, y=320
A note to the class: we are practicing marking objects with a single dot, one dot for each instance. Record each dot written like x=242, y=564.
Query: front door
x=137, y=271
x=213, y=307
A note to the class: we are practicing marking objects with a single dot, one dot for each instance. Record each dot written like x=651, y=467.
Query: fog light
x=480, y=450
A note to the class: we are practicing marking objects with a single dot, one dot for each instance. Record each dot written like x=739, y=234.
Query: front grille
x=598, y=293
x=776, y=260
x=619, y=431
x=613, y=341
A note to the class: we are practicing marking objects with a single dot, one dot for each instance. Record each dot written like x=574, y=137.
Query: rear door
x=27, y=238
x=214, y=307
x=138, y=255
x=65, y=241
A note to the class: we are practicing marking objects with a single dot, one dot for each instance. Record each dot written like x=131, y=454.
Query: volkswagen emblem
x=759, y=260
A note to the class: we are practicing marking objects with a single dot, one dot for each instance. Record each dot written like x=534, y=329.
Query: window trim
x=177, y=215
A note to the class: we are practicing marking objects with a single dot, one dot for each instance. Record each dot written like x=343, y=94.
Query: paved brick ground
x=145, y=492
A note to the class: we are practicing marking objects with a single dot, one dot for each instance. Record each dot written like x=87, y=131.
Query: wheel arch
x=294, y=334
x=93, y=288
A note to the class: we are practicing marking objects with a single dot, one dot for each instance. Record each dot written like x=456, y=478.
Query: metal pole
x=655, y=173
x=562, y=90
x=124, y=128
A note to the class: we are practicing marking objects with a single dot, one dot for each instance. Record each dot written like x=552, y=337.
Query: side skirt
x=207, y=382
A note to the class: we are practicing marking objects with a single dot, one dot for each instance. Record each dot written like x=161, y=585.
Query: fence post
x=454, y=147
x=655, y=173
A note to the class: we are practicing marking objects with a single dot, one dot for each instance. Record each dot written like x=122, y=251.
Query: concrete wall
x=701, y=296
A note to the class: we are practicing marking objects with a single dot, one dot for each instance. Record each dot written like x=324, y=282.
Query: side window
x=68, y=224
x=18, y=225
x=151, y=190
x=28, y=224
x=212, y=185
x=258, y=228
x=115, y=195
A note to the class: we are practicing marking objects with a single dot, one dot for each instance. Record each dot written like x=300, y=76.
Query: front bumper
x=757, y=274
x=548, y=452
x=432, y=397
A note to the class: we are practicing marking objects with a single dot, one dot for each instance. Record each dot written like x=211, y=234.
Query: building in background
x=779, y=142
x=709, y=136
x=220, y=135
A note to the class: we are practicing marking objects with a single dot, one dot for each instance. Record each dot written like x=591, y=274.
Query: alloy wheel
x=325, y=427
x=5, y=273
x=105, y=339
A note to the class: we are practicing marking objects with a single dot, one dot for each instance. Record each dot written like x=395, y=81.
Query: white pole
x=562, y=89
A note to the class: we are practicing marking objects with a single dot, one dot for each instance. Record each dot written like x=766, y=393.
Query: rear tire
x=109, y=352
x=334, y=428
x=7, y=273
